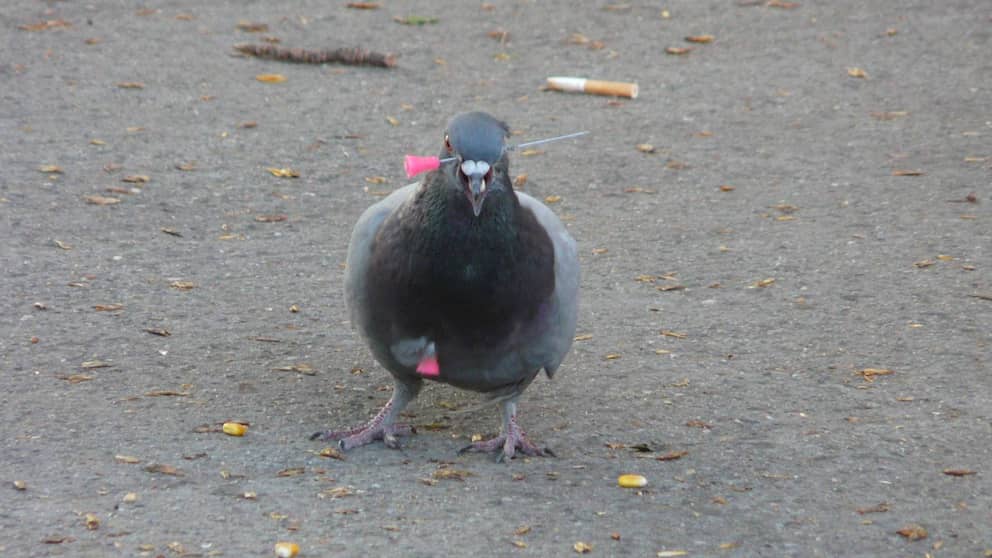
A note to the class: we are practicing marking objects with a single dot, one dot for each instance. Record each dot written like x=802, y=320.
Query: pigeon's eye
x=447, y=144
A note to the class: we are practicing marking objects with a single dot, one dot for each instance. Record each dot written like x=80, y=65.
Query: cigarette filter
x=594, y=86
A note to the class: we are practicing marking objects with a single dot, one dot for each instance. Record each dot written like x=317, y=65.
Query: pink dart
x=414, y=165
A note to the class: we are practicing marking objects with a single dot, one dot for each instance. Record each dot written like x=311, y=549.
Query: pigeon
x=462, y=280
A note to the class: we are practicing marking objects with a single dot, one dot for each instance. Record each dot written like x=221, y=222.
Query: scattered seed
x=286, y=549
x=236, y=429
x=913, y=532
x=283, y=173
x=632, y=481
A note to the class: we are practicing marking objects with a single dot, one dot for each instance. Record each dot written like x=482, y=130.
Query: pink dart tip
x=429, y=366
x=414, y=165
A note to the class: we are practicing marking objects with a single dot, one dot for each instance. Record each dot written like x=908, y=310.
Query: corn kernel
x=235, y=429
x=632, y=481
x=287, y=549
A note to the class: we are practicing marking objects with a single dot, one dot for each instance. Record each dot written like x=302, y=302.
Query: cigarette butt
x=594, y=86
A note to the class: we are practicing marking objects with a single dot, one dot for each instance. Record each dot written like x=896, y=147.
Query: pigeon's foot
x=366, y=434
x=382, y=426
x=511, y=440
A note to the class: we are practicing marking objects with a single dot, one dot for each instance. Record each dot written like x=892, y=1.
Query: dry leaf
x=270, y=78
x=251, y=27
x=857, y=73
x=158, y=331
x=376, y=179
x=96, y=199
x=20, y=485
x=271, y=218
x=91, y=364
x=695, y=423
x=889, y=115
x=183, y=285
x=959, y=472
x=92, y=521
x=519, y=544
x=108, y=307
x=675, y=165
x=127, y=459
x=763, y=283
x=166, y=393
x=600, y=251
x=163, y=469
x=452, y=474
x=172, y=232
x=678, y=50
x=45, y=25
x=645, y=148
x=782, y=4
x=136, y=178
x=520, y=181
x=522, y=530
x=130, y=85
x=331, y=452
x=611, y=356
x=727, y=188
x=393, y=121
x=531, y=152
x=673, y=334
x=904, y=172
x=672, y=455
x=666, y=288
x=283, y=173
x=415, y=20
x=869, y=373
x=582, y=337
x=364, y=5
x=913, y=532
x=877, y=508
x=53, y=169
x=499, y=35
x=76, y=378
x=582, y=548
x=552, y=199
x=924, y=263
x=191, y=165
x=291, y=472
x=700, y=38
x=302, y=368
x=671, y=553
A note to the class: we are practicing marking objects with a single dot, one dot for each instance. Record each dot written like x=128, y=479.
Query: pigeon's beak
x=477, y=176
x=477, y=192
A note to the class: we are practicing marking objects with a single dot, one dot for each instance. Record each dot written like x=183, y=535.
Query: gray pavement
x=814, y=415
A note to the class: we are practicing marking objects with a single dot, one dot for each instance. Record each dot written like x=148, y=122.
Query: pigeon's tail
x=500, y=396
x=488, y=402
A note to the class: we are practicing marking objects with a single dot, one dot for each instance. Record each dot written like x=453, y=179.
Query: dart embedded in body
x=415, y=164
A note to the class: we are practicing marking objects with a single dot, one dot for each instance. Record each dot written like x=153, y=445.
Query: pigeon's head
x=477, y=141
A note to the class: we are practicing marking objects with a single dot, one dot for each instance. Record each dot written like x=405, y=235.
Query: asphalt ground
x=786, y=313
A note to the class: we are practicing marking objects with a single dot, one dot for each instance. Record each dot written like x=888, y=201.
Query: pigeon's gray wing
x=360, y=249
x=554, y=345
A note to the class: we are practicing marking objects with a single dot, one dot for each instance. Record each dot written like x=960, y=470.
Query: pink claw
x=429, y=366
x=415, y=165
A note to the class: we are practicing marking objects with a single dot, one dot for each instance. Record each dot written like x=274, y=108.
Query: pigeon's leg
x=510, y=439
x=383, y=425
